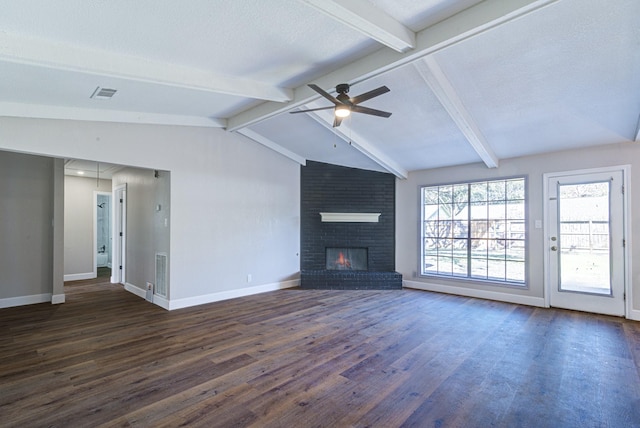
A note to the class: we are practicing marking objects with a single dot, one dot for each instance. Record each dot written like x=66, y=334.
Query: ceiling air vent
x=103, y=93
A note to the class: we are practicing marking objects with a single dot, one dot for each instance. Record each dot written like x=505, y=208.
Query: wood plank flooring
x=310, y=358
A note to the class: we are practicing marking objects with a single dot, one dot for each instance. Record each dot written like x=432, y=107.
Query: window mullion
x=468, y=230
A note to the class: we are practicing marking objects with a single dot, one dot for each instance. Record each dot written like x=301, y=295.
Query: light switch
x=538, y=224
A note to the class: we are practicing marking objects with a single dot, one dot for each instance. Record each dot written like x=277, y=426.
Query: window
x=475, y=230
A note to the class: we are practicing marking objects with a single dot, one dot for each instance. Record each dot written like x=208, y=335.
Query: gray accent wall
x=26, y=228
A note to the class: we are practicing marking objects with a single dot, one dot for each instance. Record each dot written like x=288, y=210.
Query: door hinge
x=623, y=189
x=120, y=233
x=624, y=243
x=121, y=200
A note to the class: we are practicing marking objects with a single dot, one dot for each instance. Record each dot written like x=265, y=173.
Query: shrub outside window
x=475, y=230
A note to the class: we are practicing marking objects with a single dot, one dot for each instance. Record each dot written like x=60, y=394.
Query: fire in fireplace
x=346, y=258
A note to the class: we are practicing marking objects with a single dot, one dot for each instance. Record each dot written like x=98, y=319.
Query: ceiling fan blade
x=371, y=94
x=321, y=91
x=337, y=121
x=367, y=110
x=312, y=109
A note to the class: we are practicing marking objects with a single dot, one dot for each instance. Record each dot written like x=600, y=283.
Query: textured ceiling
x=470, y=81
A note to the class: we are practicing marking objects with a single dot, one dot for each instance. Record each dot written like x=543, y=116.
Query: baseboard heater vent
x=161, y=274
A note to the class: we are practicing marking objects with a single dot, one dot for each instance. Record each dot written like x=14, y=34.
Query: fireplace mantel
x=350, y=217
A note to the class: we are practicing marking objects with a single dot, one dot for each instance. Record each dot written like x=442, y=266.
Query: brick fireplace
x=347, y=228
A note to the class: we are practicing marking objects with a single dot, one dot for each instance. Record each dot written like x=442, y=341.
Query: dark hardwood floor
x=308, y=358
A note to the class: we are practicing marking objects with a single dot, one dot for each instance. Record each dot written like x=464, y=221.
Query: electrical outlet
x=149, y=294
x=249, y=278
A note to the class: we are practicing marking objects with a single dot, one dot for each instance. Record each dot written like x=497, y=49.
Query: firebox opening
x=346, y=258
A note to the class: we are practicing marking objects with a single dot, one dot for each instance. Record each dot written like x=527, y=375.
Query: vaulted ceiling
x=470, y=81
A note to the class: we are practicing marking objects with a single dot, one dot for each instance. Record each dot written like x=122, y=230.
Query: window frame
x=468, y=278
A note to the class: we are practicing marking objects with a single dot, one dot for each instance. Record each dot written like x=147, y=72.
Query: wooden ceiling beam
x=432, y=74
x=61, y=56
x=102, y=115
x=367, y=19
x=461, y=26
x=357, y=141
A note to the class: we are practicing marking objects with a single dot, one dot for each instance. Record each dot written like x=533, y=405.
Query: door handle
x=554, y=248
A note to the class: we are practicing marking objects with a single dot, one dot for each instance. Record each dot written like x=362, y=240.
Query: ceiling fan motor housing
x=344, y=98
x=342, y=88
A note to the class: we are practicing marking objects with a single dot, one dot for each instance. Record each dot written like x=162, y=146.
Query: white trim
x=634, y=314
x=33, y=299
x=40, y=111
x=628, y=261
x=140, y=292
x=357, y=141
x=480, y=294
x=430, y=71
x=367, y=19
x=466, y=24
x=79, y=276
x=261, y=139
x=230, y=294
x=118, y=222
x=350, y=217
x=96, y=193
x=102, y=64
x=57, y=299
x=161, y=301
x=630, y=313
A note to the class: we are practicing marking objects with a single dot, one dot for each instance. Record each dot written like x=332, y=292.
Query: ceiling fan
x=344, y=105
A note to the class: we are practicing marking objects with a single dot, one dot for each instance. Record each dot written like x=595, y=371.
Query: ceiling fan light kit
x=342, y=111
x=343, y=105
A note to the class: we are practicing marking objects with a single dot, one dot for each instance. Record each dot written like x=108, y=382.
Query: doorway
x=102, y=234
x=585, y=255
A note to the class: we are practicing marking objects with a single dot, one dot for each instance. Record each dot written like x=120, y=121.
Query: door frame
x=95, y=227
x=626, y=225
x=119, y=223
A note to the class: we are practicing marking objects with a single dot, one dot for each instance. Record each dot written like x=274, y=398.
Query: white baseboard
x=481, y=294
x=79, y=276
x=140, y=292
x=161, y=301
x=57, y=299
x=10, y=302
x=634, y=315
x=230, y=294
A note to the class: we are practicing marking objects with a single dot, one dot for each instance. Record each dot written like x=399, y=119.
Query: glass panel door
x=585, y=233
x=584, y=237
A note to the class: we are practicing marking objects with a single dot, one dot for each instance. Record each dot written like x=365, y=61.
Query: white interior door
x=119, y=235
x=585, y=232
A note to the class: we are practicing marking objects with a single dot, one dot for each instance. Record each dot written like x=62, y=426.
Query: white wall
x=234, y=203
x=408, y=214
x=79, y=247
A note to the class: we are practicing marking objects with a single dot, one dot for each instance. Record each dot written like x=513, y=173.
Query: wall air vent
x=103, y=93
x=161, y=274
